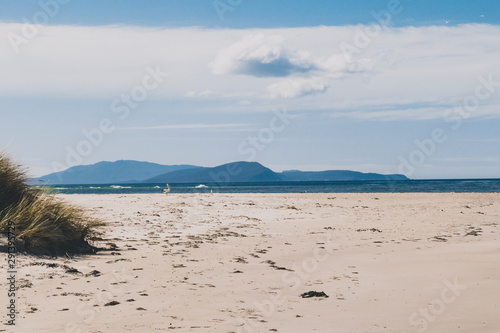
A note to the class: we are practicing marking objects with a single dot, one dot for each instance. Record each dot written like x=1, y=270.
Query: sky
x=391, y=86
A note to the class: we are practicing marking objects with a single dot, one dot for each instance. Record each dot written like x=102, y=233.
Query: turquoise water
x=401, y=186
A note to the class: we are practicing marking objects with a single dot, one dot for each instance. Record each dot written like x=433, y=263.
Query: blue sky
x=256, y=13
x=371, y=85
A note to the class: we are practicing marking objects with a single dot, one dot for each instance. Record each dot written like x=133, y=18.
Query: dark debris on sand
x=273, y=265
x=310, y=294
x=473, y=231
x=372, y=230
x=67, y=269
x=95, y=273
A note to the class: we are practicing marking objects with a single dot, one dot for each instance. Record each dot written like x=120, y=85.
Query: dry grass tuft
x=43, y=224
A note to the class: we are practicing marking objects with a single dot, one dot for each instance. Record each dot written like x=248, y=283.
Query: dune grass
x=43, y=224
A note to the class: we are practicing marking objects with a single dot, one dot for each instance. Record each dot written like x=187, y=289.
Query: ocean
x=400, y=186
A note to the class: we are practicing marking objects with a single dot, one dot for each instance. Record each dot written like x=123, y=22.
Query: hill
x=109, y=173
x=236, y=172
x=336, y=175
x=121, y=172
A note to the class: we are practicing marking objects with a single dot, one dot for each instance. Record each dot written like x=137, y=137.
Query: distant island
x=129, y=172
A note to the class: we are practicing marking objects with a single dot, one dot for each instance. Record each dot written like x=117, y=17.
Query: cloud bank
x=244, y=70
x=268, y=56
x=261, y=56
x=294, y=88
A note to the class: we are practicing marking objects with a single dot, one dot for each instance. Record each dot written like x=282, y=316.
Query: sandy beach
x=240, y=263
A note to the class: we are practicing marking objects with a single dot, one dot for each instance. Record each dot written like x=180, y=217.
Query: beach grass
x=43, y=224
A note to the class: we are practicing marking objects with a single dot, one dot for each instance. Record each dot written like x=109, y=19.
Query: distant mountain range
x=123, y=172
x=110, y=173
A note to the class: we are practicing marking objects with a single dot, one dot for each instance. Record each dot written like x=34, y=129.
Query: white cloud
x=182, y=127
x=195, y=94
x=337, y=66
x=297, y=87
x=402, y=66
x=261, y=56
x=267, y=56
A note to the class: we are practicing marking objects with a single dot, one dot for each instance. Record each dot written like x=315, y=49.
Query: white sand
x=178, y=258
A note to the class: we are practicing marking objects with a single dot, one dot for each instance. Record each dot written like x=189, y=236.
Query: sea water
x=400, y=186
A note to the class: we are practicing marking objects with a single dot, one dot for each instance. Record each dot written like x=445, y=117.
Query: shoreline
x=388, y=262
x=410, y=186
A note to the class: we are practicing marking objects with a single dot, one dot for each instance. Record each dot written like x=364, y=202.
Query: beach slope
x=272, y=263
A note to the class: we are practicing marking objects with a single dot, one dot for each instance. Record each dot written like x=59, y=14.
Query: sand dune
x=240, y=263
